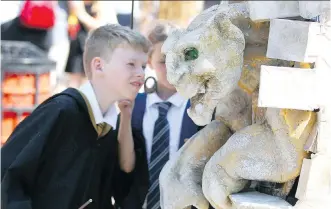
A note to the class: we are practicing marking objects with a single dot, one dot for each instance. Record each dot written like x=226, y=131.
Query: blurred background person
x=59, y=49
x=84, y=16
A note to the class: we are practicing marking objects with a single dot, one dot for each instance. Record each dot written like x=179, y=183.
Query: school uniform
x=145, y=117
x=65, y=154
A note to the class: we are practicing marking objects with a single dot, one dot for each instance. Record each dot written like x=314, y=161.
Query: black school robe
x=54, y=160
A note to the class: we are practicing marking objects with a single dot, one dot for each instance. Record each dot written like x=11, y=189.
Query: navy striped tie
x=159, y=155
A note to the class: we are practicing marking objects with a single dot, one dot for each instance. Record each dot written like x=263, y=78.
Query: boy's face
x=123, y=74
x=157, y=63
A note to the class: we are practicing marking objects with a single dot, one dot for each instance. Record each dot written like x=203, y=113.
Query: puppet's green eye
x=191, y=54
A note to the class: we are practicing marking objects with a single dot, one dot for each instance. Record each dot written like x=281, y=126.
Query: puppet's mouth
x=199, y=111
x=202, y=103
x=202, y=89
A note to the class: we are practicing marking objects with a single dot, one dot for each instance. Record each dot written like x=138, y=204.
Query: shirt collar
x=112, y=113
x=175, y=99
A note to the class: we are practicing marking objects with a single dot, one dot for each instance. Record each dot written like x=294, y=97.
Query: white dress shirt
x=111, y=115
x=174, y=116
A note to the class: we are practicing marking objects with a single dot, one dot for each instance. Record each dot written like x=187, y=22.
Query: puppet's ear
x=222, y=22
x=201, y=19
x=230, y=13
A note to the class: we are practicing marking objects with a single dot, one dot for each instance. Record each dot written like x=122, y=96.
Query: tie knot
x=163, y=108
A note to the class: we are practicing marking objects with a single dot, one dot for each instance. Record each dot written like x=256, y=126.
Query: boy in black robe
x=68, y=153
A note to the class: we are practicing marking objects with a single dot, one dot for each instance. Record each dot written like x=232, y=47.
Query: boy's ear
x=97, y=63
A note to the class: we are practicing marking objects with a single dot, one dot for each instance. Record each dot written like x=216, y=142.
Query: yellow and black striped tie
x=103, y=129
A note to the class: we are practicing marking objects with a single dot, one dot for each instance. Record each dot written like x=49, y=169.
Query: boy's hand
x=126, y=107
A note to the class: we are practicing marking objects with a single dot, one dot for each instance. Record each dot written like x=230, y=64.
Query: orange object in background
x=9, y=121
x=23, y=100
x=21, y=90
x=73, y=26
x=25, y=82
x=14, y=83
x=7, y=125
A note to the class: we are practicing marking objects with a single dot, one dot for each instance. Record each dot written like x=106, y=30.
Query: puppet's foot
x=180, y=178
x=227, y=170
x=217, y=185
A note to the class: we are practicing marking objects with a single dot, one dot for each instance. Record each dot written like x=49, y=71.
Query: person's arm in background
x=77, y=8
x=106, y=12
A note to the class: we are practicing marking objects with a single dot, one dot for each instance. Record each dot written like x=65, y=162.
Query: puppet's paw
x=181, y=178
x=217, y=184
x=180, y=197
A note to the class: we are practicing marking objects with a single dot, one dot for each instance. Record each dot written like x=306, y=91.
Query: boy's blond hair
x=102, y=41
